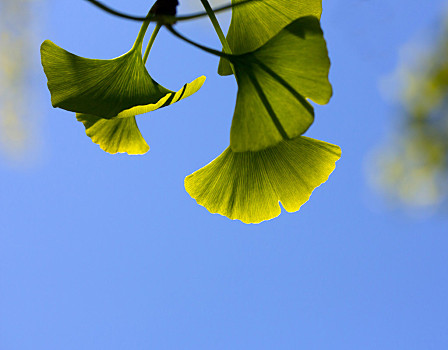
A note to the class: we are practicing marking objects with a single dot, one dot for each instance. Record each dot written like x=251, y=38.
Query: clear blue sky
x=109, y=252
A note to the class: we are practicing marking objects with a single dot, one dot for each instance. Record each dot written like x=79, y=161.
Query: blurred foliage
x=16, y=32
x=414, y=165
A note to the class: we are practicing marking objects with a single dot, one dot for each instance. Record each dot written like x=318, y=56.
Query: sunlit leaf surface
x=119, y=135
x=248, y=186
x=274, y=83
x=253, y=24
x=103, y=92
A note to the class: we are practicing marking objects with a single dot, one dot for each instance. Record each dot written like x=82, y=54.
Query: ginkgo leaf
x=254, y=23
x=186, y=91
x=248, y=186
x=103, y=88
x=274, y=83
x=99, y=87
x=121, y=134
x=103, y=92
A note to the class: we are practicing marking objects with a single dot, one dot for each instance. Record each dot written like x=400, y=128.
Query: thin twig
x=154, y=18
x=203, y=48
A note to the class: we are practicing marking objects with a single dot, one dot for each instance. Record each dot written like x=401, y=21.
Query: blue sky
x=102, y=251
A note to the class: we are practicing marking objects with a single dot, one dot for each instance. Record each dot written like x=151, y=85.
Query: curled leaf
x=103, y=92
x=255, y=22
x=248, y=186
x=121, y=134
x=103, y=88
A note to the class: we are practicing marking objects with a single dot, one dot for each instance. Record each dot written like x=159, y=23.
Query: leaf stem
x=225, y=44
x=214, y=20
x=141, y=34
x=151, y=42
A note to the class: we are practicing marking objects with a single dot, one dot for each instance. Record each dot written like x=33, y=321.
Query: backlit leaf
x=103, y=92
x=99, y=87
x=274, y=83
x=254, y=23
x=121, y=134
x=248, y=186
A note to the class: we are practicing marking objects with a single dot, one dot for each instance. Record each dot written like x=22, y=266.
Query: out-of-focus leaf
x=413, y=166
x=19, y=126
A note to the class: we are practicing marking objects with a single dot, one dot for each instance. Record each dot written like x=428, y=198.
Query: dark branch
x=199, y=46
x=153, y=18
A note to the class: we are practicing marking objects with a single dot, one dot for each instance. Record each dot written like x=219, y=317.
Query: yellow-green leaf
x=121, y=134
x=275, y=83
x=248, y=186
x=255, y=22
x=99, y=87
x=105, y=92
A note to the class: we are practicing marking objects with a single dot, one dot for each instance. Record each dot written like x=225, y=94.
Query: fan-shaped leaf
x=248, y=186
x=121, y=134
x=103, y=92
x=274, y=83
x=254, y=23
x=99, y=87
